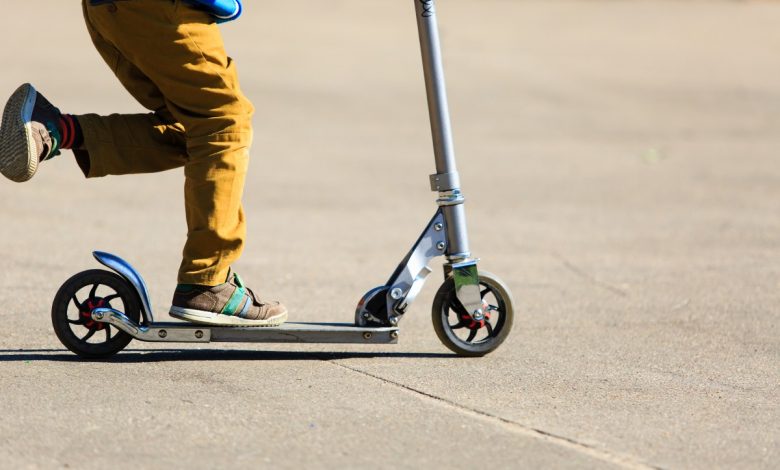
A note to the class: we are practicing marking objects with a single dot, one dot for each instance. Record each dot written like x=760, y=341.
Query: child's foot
x=228, y=304
x=29, y=133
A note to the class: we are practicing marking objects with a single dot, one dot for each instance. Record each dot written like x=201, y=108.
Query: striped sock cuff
x=71, y=132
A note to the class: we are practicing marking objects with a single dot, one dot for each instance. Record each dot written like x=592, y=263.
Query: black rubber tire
x=441, y=311
x=59, y=313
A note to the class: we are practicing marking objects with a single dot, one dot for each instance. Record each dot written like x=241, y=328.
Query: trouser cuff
x=88, y=155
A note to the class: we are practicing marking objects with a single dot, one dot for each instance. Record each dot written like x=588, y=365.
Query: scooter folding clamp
x=445, y=181
x=450, y=198
x=408, y=279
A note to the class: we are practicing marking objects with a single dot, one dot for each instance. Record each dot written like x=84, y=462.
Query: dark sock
x=72, y=136
x=186, y=287
x=191, y=287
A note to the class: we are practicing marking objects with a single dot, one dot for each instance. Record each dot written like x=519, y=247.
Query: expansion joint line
x=624, y=461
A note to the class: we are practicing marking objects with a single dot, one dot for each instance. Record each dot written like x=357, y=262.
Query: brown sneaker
x=228, y=304
x=28, y=133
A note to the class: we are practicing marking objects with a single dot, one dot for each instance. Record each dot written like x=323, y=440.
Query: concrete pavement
x=620, y=164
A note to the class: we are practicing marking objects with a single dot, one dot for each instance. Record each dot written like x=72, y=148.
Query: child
x=170, y=56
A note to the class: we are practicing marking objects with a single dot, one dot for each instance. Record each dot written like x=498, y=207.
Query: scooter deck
x=292, y=333
x=182, y=332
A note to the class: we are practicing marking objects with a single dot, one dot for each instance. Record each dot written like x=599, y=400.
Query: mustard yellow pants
x=171, y=58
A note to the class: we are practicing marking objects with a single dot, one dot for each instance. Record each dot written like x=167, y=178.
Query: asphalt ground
x=620, y=164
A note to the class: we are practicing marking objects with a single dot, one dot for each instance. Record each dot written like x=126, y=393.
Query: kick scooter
x=97, y=313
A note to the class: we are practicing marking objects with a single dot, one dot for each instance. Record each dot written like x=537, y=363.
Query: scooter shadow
x=200, y=355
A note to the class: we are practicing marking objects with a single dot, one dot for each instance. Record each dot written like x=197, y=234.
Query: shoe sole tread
x=217, y=319
x=18, y=154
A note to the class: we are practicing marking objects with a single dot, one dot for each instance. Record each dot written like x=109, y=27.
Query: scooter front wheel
x=71, y=313
x=459, y=331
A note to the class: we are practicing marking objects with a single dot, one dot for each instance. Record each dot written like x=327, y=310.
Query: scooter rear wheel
x=72, y=317
x=462, y=334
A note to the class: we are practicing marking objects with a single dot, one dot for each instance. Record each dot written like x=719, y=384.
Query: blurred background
x=620, y=163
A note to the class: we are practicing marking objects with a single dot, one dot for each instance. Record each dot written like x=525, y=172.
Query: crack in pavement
x=590, y=278
x=622, y=460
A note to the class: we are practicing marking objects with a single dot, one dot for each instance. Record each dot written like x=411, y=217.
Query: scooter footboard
x=179, y=332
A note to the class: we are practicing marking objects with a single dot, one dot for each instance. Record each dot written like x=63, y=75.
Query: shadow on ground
x=174, y=355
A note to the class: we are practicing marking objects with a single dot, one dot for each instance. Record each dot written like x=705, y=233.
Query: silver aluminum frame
x=446, y=181
x=288, y=333
x=446, y=234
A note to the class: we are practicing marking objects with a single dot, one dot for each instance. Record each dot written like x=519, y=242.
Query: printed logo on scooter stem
x=428, y=8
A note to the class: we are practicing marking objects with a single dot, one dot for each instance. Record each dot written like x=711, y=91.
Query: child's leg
x=180, y=52
x=122, y=144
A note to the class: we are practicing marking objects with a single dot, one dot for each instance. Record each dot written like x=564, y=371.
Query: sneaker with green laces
x=28, y=133
x=228, y=304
